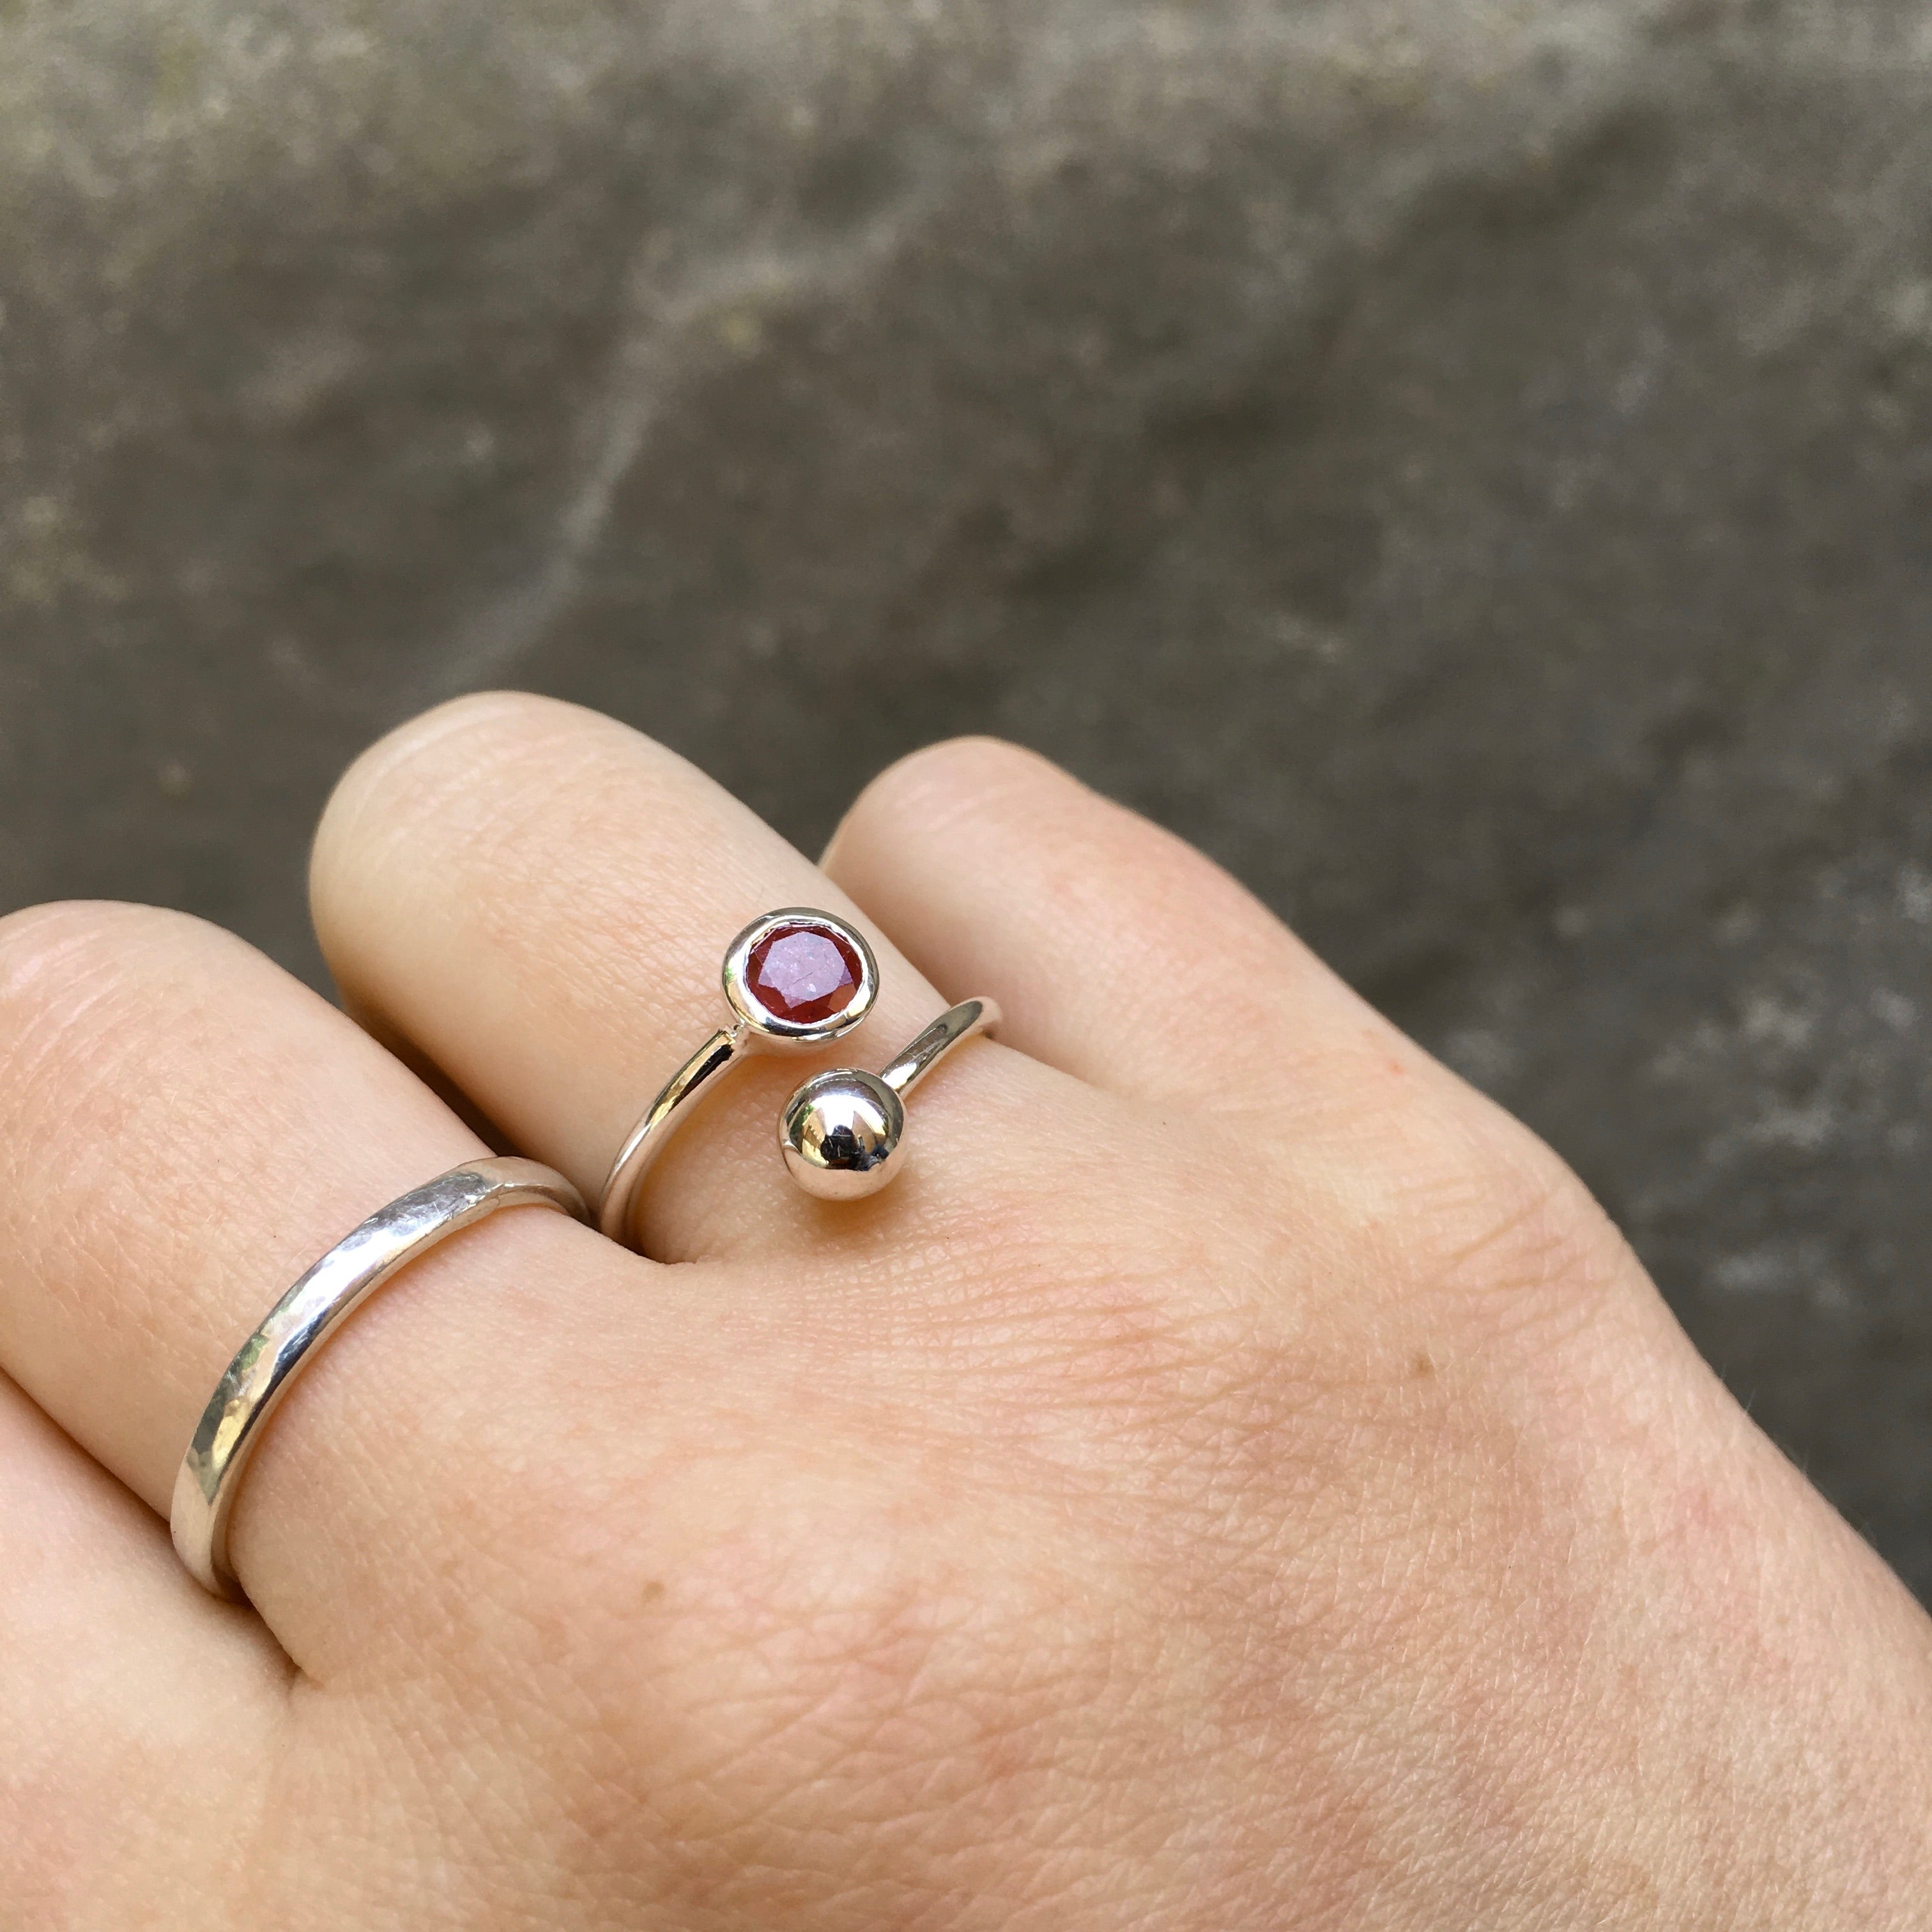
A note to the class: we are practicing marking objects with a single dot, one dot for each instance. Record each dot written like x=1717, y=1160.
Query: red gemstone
x=804, y=974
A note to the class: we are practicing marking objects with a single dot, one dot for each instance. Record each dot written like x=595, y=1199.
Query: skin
x=1235, y=1479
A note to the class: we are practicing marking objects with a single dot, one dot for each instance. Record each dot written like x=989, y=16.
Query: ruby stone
x=803, y=974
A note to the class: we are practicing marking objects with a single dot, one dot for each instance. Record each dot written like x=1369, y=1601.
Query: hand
x=1235, y=1479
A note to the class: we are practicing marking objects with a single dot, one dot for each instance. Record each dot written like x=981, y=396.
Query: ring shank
x=268, y=1362
x=692, y=1083
x=952, y=1028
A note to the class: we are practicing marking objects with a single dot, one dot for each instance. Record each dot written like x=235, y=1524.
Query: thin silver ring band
x=754, y=1028
x=954, y=1027
x=840, y=1132
x=268, y=1362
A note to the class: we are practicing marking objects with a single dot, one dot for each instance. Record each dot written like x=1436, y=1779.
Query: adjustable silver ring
x=840, y=1132
x=268, y=1362
x=795, y=979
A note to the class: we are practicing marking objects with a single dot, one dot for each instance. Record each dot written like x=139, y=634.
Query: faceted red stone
x=806, y=974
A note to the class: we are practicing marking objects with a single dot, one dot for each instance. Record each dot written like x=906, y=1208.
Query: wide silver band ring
x=794, y=980
x=268, y=1362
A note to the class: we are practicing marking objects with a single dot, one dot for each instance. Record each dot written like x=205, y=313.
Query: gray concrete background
x=1469, y=466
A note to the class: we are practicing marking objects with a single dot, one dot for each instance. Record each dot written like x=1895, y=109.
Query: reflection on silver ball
x=837, y=1133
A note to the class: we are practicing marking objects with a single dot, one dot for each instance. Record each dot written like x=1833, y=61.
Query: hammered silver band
x=267, y=1364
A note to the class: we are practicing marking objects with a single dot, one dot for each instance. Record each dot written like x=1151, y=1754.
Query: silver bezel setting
x=792, y=1036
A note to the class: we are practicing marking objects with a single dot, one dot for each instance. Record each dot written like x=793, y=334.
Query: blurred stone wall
x=1469, y=466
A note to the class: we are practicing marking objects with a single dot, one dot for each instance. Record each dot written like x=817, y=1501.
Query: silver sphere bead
x=838, y=1133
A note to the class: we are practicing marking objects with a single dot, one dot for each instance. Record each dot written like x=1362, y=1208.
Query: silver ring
x=307, y=1316
x=840, y=1131
x=794, y=979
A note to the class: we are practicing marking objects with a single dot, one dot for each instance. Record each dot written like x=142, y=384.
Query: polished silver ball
x=838, y=1133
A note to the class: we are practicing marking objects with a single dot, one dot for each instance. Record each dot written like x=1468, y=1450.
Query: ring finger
x=183, y=1129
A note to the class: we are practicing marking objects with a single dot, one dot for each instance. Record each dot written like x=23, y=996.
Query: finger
x=134, y=1710
x=1116, y=951
x=538, y=898
x=183, y=1129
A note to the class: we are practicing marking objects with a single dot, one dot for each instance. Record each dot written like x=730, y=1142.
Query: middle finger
x=536, y=899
